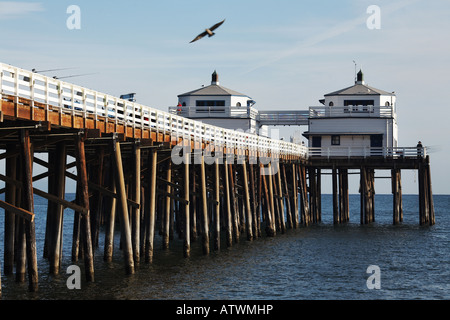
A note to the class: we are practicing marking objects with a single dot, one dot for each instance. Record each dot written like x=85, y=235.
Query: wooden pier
x=144, y=171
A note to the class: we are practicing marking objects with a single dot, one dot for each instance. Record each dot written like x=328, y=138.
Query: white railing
x=216, y=111
x=283, y=117
x=365, y=152
x=62, y=97
x=352, y=111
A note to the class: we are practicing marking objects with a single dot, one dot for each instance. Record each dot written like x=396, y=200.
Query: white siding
x=234, y=124
x=346, y=125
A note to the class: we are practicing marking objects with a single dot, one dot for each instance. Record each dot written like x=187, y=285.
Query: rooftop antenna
x=355, y=70
x=73, y=76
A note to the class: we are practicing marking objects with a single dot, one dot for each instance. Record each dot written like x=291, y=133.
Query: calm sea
x=319, y=262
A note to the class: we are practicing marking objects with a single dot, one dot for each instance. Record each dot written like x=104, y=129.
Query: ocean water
x=319, y=262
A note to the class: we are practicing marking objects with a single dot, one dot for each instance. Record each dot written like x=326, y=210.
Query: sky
x=284, y=54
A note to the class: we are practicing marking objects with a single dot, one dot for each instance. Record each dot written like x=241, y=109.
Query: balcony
x=352, y=112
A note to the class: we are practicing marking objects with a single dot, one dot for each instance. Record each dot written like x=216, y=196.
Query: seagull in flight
x=209, y=31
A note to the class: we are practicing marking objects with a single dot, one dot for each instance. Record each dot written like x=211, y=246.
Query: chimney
x=360, y=78
x=215, y=78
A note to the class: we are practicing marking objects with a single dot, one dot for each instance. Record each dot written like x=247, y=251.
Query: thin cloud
x=14, y=9
x=337, y=30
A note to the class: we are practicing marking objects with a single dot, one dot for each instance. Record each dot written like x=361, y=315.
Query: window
x=210, y=106
x=359, y=102
x=387, y=104
x=238, y=104
x=210, y=103
x=335, y=140
x=331, y=104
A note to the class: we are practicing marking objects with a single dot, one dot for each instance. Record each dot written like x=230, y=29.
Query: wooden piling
x=85, y=228
x=395, y=196
x=111, y=218
x=234, y=208
x=167, y=207
x=285, y=182
x=336, y=217
x=151, y=206
x=127, y=246
x=268, y=208
x=248, y=217
x=216, y=205
x=227, y=197
x=10, y=197
x=429, y=191
x=205, y=218
x=253, y=200
x=136, y=212
x=271, y=200
x=27, y=165
x=187, y=230
x=295, y=219
x=56, y=241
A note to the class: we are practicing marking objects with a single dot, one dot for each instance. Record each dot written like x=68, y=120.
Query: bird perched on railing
x=208, y=32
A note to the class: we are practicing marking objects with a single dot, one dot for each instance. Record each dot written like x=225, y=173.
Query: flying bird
x=209, y=31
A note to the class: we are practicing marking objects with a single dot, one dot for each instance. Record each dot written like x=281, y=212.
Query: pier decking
x=144, y=169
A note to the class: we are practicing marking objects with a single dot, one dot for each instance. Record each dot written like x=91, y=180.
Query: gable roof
x=360, y=89
x=213, y=90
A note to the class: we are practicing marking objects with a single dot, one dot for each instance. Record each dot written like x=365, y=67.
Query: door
x=317, y=143
x=376, y=145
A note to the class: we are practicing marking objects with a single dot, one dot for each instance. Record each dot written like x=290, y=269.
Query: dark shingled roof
x=213, y=90
x=360, y=89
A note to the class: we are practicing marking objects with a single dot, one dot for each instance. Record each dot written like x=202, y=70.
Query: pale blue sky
x=284, y=54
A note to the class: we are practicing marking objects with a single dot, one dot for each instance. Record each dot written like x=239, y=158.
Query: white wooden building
x=220, y=106
x=357, y=119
